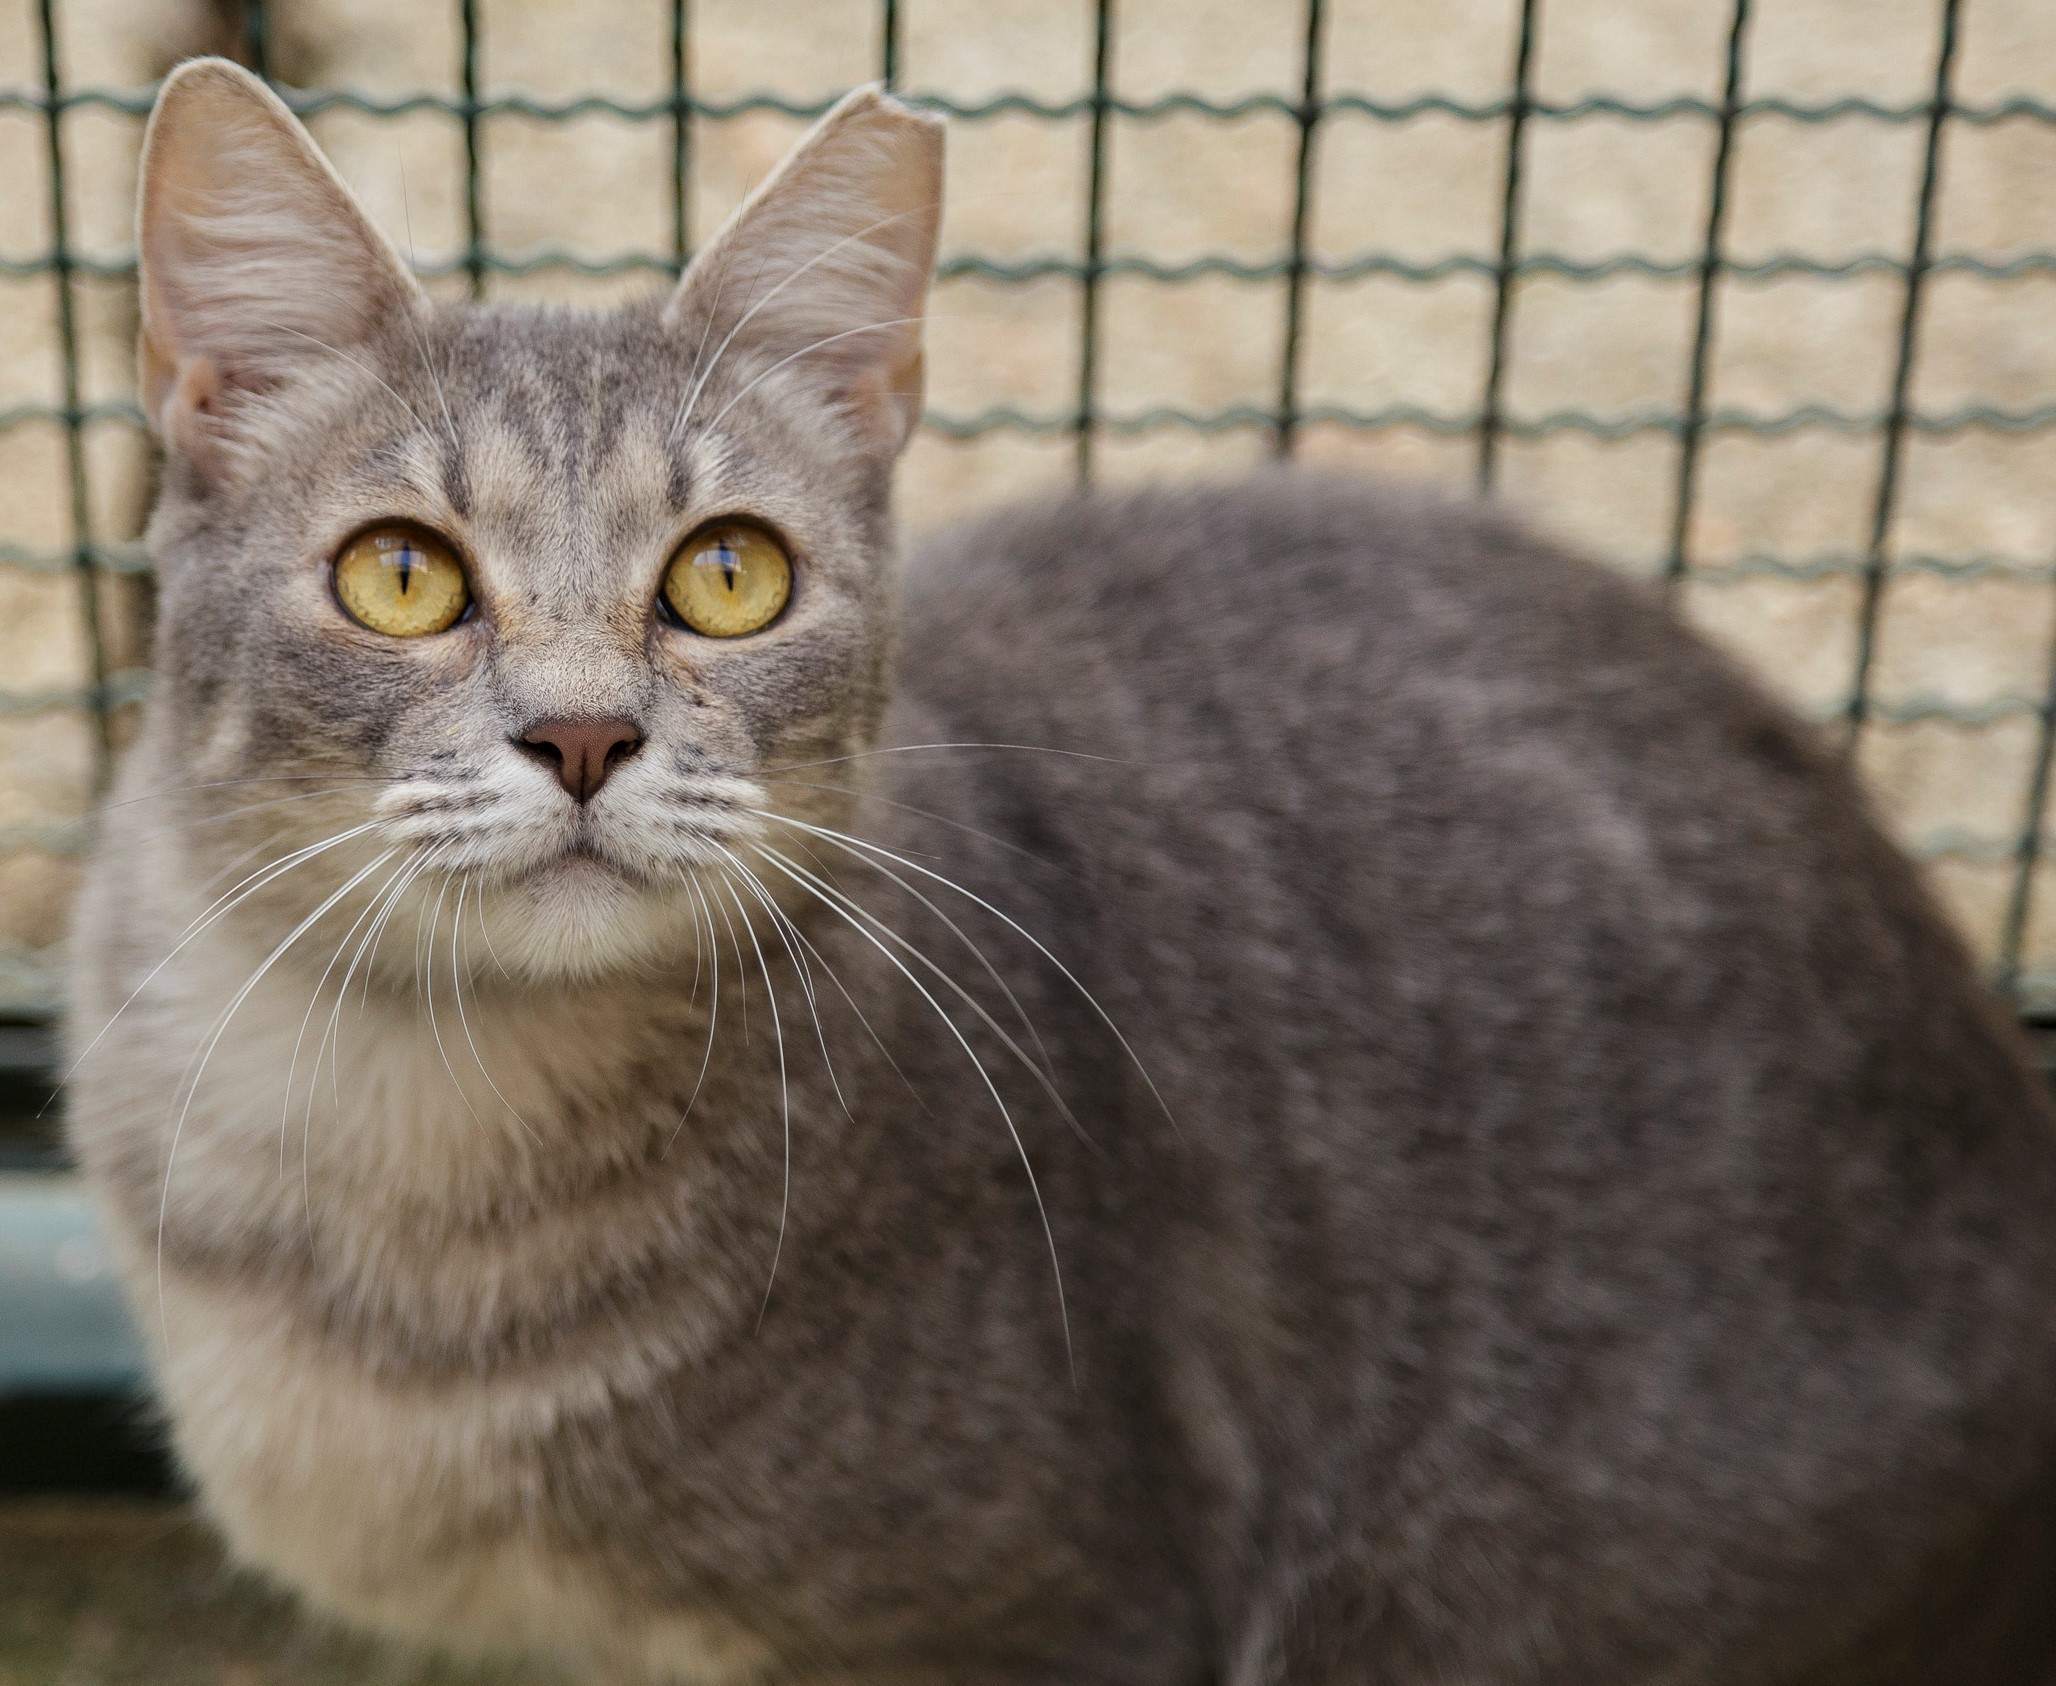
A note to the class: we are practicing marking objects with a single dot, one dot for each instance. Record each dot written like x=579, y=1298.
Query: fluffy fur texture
x=1557, y=1204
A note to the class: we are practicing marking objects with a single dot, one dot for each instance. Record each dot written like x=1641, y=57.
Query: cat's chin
x=580, y=918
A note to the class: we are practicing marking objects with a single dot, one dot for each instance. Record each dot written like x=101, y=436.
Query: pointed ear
x=819, y=281
x=254, y=256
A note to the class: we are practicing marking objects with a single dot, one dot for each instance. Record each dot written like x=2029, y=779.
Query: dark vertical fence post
x=1490, y=414
x=1095, y=257
x=2027, y=851
x=889, y=44
x=256, y=39
x=1711, y=255
x=681, y=136
x=61, y=268
x=1889, y=468
x=474, y=237
x=1295, y=267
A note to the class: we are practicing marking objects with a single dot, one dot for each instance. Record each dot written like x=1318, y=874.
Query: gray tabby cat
x=1318, y=1094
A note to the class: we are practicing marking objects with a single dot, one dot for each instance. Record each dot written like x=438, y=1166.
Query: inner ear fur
x=254, y=255
x=824, y=271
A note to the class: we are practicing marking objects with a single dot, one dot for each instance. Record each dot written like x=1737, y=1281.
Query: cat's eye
x=727, y=580
x=401, y=581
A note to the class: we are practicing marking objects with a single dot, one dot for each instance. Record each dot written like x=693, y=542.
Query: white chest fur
x=413, y=1505
x=411, y=1509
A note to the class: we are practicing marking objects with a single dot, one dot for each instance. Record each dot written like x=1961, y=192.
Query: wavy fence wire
x=1284, y=420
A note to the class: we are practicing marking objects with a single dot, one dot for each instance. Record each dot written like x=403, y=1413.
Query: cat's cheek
x=424, y=665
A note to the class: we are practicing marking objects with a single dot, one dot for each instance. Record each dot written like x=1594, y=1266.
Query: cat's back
x=1539, y=993
x=1463, y=703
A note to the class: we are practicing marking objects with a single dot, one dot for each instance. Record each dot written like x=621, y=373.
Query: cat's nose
x=583, y=752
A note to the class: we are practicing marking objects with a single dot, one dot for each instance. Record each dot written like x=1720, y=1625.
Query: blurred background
x=1754, y=298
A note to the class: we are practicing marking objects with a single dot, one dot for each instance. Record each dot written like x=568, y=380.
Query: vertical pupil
x=726, y=559
x=403, y=559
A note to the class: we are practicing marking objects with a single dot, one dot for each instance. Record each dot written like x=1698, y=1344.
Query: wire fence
x=1516, y=115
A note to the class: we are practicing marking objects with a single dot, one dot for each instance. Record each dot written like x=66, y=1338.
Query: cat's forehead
x=556, y=391
x=548, y=441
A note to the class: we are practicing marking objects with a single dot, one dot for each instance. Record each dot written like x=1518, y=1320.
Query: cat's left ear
x=819, y=281
x=256, y=259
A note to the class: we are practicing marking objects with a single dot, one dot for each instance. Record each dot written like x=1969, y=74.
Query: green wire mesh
x=1517, y=113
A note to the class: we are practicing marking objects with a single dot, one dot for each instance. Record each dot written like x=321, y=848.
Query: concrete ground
x=117, y=1593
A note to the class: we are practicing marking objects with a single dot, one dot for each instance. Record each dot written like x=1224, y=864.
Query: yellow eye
x=401, y=581
x=728, y=579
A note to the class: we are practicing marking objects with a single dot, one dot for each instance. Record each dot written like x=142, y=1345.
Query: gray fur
x=1596, y=1226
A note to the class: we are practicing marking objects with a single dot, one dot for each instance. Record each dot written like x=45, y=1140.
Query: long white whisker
x=784, y=1098
x=262, y=778
x=428, y=996
x=742, y=978
x=713, y=1017
x=355, y=363
x=992, y=1088
x=457, y=989
x=218, y=909
x=826, y=252
x=285, y=1110
x=805, y=350
x=910, y=748
x=706, y=329
x=826, y=887
x=486, y=934
x=991, y=971
x=860, y=847
x=331, y=1042
x=780, y=924
x=699, y=948
x=214, y=1041
x=926, y=814
x=180, y=828
x=414, y=327
x=835, y=978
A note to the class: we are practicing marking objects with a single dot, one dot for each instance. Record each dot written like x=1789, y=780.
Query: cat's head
x=546, y=599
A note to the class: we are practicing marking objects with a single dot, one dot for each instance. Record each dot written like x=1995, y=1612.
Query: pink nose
x=583, y=752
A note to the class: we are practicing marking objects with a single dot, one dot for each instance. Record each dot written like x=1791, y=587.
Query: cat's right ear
x=254, y=257
x=820, y=277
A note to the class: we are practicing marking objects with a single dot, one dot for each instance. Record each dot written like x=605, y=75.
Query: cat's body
x=1564, y=1209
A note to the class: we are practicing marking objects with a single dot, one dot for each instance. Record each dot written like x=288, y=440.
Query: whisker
x=192, y=1089
x=826, y=252
x=216, y=910
x=355, y=363
x=263, y=778
x=367, y=954
x=992, y=1088
x=780, y=923
x=486, y=935
x=926, y=814
x=180, y=828
x=388, y=898
x=784, y=1100
x=910, y=748
x=414, y=327
x=742, y=978
x=1043, y=1079
x=285, y=1110
x=428, y=996
x=805, y=350
x=835, y=978
x=991, y=971
x=706, y=329
x=859, y=847
x=457, y=989
x=713, y=1017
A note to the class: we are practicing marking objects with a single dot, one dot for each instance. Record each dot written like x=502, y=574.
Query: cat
x=1272, y=1081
